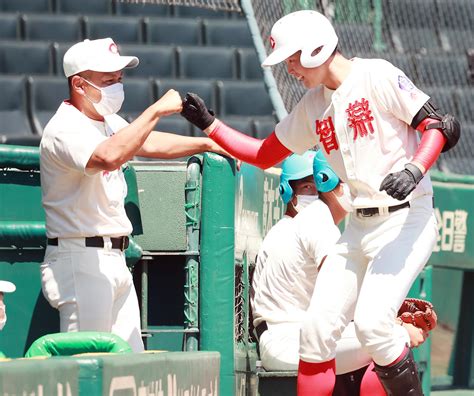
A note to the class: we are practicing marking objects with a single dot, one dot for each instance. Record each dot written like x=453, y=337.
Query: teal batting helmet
x=325, y=178
x=295, y=167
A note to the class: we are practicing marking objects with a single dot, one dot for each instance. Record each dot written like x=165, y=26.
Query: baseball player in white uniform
x=363, y=114
x=286, y=271
x=82, y=151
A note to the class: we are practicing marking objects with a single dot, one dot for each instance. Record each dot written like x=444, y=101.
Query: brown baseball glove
x=419, y=313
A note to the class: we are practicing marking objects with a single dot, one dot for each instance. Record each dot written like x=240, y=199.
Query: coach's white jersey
x=363, y=128
x=287, y=262
x=79, y=202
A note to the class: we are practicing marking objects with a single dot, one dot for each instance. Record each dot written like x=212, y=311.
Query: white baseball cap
x=7, y=287
x=303, y=31
x=100, y=55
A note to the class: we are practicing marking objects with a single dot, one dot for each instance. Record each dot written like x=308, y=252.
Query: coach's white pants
x=367, y=277
x=93, y=290
x=279, y=348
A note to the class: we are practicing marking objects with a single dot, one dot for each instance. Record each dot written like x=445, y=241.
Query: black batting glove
x=399, y=184
x=196, y=112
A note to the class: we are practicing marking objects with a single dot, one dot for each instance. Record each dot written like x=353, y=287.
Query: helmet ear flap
x=315, y=55
x=286, y=191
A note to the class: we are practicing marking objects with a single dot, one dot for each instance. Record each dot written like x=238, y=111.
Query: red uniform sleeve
x=431, y=144
x=263, y=153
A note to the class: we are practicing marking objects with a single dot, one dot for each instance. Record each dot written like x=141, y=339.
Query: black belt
x=98, y=242
x=262, y=326
x=369, y=212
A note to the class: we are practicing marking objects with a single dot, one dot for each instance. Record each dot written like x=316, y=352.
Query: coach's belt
x=369, y=212
x=98, y=242
x=261, y=327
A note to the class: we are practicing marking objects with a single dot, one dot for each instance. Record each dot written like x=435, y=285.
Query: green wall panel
x=162, y=200
x=29, y=315
x=216, y=296
x=454, y=209
x=172, y=373
x=258, y=208
x=32, y=377
x=20, y=189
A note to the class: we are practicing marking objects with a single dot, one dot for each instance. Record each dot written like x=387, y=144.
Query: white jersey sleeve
x=296, y=131
x=74, y=146
x=316, y=230
x=74, y=143
x=397, y=94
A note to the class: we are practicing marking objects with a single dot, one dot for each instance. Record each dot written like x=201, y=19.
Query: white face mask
x=111, y=100
x=303, y=201
x=345, y=200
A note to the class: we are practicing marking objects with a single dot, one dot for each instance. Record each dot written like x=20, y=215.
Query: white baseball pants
x=279, y=348
x=93, y=290
x=366, y=277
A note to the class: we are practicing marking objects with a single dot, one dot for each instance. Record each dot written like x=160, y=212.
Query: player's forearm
x=169, y=145
x=122, y=146
x=262, y=153
x=431, y=145
x=215, y=148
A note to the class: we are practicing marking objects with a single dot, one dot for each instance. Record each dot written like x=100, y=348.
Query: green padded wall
x=161, y=195
x=173, y=373
x=216, y=296
x=29, y=314
x=168, y=373
x=453, y=281
x=51, y=377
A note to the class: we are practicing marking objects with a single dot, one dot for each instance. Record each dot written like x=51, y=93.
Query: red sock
x=370, y=385
x=316, y=379
x=404, y=352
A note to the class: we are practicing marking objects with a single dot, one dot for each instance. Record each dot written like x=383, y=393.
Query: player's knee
x=314, y=333
x=370, y=330
x=317, y=325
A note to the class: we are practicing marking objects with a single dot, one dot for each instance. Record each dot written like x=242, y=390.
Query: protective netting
x=225, y=5
x=239, y=304
x=428, y=39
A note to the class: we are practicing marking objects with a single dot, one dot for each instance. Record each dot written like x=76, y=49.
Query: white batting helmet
x=302, y=30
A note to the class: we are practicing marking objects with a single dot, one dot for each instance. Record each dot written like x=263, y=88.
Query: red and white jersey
x=286, y=268
x=363, y=128
x=79, y=202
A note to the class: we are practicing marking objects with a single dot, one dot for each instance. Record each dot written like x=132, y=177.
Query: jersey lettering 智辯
x=367, y=117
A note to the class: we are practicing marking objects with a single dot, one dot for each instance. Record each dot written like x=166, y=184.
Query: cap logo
x=272, y=42
x=113, y=48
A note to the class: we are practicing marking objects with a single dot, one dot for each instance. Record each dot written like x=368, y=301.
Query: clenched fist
x=169, y=103
x=399, y=184
x=196, y=111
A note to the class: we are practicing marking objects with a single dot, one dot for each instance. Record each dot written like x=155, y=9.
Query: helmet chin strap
x=295, y=205
x=292, y=211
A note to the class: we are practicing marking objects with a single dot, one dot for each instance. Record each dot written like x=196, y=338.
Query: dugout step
x=277, y=383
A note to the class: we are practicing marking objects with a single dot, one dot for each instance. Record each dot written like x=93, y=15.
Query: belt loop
x=107, y=243
x=123, y=244
x=384, y=210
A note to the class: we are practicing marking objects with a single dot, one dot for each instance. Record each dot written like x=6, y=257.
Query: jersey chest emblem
x=359, y=117
x=327, y=134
